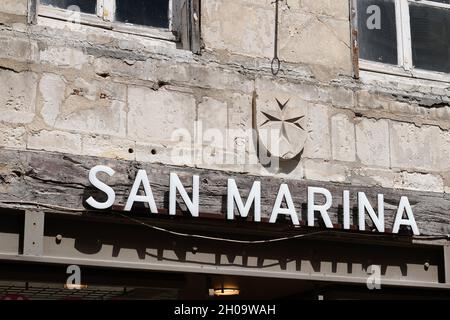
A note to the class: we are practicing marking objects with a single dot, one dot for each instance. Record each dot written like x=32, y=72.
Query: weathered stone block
x=108, y=147
x=236, y=31
x=213, y=118
x=240, y=112
x=240, y=129
x=446, y=177
x=144, y=70
x=204, y=76
x=156, y=153
x=52, y=88
x=13, y=136
x=419, y=181
x=367, y=176
x=366, y=99
x=338, y=9
x=372, y=142
x=412, y=147
x=18, y=50
x=64, y=57
x=158, y=115
x=84, y=106
x=18, y=7
x=56, y=141
x=343, y=140
x=213, y=158
x=308, y=38
x=318, y=170
x=17, y=96
x=302, y=92
x=342, y=97
x=318, y=143
x=441, y=145
x=102, y=117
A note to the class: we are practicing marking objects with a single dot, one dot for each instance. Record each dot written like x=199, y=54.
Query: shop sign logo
x=287, y=124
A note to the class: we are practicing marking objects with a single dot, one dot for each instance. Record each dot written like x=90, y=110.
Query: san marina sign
x=283, y=204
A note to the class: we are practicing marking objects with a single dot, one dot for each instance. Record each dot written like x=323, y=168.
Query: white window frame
x=105, y=18
x=404, y=47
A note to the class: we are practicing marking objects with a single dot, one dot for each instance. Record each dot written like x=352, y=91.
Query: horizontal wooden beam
x=28, y=178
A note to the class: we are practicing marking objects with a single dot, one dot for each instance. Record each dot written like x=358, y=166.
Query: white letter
x=322, y=208
x=235, y=197
x=374, y=280
x=74, y=280
x=102, y=187
x=404, y=205
x=374, y=21
x=363, y=204
x=346, y=207
x=175, y=184
x=284, y=193
x=141, y=178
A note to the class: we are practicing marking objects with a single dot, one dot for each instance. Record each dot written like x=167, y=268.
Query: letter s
x=102, y=187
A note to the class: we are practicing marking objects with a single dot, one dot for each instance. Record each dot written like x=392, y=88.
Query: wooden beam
x=62, y=180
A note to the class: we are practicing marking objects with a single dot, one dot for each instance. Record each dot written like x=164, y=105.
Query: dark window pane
x=377, y=32
x=153, y=13
x=430, y=37
x=87, y=6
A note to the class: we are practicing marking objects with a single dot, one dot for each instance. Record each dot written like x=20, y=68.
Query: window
x=406, y=37
x=87, y=6
x=149, y=13
x=175, y=20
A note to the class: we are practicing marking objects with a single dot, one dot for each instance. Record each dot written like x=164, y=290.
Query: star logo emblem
x=284, y=125
x=284, y=119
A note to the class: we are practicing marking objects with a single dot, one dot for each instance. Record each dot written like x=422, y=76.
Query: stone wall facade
x=91, y=91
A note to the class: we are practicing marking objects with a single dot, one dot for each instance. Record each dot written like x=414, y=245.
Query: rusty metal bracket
x=354, y=38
